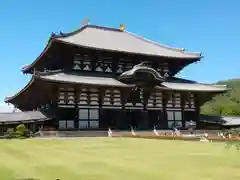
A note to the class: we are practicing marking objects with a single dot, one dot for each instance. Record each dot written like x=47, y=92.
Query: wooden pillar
x=101, y=93
x=146, y=95
x=183, y=101
x=124, y=93
x=166, y=96
x=94, y=61
x=145, y=114
x=54, y=105
x=197, y=110
x=101, y=97
x=76, y=100
x=144, y=123
x=68, y=57
x=88, y=104
x=115, y=61
x=33, y=126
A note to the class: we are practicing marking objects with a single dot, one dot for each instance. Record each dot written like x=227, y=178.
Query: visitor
x=191, y=127
x=206, y=135
x=204, y=139
x=109, y=132
x=222, y=135
x=155, y=131
x=174, y=129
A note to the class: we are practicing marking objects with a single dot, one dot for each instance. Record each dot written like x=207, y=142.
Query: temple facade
x=99, y=77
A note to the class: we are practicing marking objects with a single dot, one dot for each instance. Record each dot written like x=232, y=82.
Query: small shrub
x=10, y=133
x=20, y=132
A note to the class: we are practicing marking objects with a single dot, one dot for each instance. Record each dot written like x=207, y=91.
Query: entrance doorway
x=132, y=119
x=110, y=118
x=156, y=118
x=137, y=118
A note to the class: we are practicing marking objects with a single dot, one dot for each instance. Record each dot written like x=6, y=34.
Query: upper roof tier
x=115, y=40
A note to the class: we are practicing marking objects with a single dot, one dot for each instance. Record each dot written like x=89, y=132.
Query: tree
x=227, y=104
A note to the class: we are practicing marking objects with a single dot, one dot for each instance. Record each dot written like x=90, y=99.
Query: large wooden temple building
x=99, y=77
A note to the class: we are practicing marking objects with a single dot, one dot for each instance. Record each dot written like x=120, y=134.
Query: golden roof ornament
x=85, y=22
x=122, y=27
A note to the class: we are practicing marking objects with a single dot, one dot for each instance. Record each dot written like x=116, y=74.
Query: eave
x=27, y=68
x=38, y=83
x=225, y=121
x=194, y=87
x=64, y=38
x=9, y=99
x=23, y=117
x=62, y=78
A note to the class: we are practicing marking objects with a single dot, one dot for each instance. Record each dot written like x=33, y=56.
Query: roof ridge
x=63, y=35
x=162, y=45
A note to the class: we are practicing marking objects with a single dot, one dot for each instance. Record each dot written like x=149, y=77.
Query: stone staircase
x=82, y=133
x=166, y=132
x=115, y=133
x=45, y=134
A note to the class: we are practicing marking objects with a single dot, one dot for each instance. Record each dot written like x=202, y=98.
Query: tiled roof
x=61, y=77
x=105, y=81
x=224, y=120
x=16, y=117
x=87, y=80
x=194, y=87
x=114, y=39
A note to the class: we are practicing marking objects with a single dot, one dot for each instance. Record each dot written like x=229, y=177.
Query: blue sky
x=209, y=26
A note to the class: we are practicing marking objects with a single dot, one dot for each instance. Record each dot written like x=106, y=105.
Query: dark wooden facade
x=99, y=106
x=89, y=107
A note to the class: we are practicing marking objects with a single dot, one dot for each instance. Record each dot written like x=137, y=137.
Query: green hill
x=227, y=104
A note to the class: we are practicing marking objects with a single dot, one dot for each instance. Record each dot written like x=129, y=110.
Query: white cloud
x=6, y=108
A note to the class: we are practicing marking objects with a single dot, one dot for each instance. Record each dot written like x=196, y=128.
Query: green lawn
x=115, y=158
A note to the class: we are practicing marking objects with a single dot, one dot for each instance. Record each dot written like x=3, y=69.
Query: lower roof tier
x=20, y=117
x=41, y=82
x=223, y=120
